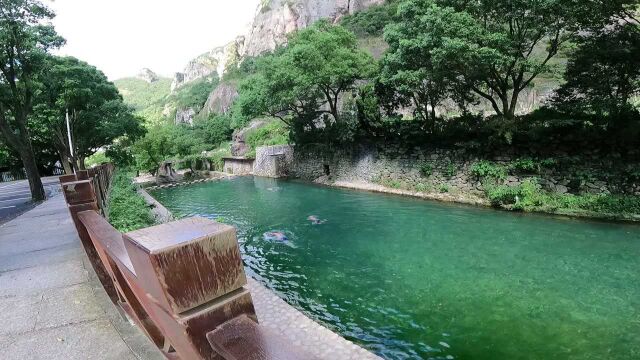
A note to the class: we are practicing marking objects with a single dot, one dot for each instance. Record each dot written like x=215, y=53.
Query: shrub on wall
x=487, y=170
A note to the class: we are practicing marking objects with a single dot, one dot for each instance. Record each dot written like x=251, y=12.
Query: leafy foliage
x=97, y=114
x=529, y=196
x=274, y=133
x=126, y=209
x=603, y=75
x=370, y=21
x=141, y=94
x=304, y=81
x=195, y=93
x=485, y=169
x=26, y=37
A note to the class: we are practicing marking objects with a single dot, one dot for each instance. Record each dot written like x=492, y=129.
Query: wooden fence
x=182, y=283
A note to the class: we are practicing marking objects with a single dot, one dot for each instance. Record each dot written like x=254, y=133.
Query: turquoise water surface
x=412, y=279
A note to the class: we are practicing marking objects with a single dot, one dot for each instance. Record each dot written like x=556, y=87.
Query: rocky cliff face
x=216, y=60
x=147, y=75
x=220, y=99
x=185, y=116
x=276, y=18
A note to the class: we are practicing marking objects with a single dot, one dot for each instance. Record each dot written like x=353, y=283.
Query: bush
x=529, y=196
x=530, y=165
x=215, y=156
x=420, y=187
x=126, y=209
x=274, y=133
x=487, y=170
x=426, y=169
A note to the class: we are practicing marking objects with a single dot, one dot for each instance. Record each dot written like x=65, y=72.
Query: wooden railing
x=183, y=283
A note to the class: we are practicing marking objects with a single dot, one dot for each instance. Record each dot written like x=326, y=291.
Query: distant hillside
x=142, y=94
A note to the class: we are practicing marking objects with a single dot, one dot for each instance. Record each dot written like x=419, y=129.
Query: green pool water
x=411, y=279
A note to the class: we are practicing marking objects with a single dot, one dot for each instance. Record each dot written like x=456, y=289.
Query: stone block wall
x=451, y=169
x=238, y=166
x=273, y=161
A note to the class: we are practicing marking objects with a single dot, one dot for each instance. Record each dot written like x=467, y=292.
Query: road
x=15, y=197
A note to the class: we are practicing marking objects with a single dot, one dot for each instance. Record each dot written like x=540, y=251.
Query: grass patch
x=127, y=210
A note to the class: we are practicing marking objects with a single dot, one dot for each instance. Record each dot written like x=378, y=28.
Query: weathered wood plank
x=111, y=239
x=194, y=261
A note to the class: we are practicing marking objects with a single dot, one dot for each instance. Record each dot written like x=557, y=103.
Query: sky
x=120, y=37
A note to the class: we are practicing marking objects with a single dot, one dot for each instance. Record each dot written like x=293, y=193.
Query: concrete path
x=15, y=196
x=51, y=304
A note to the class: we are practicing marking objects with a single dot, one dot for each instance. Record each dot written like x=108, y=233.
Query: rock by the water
x=166, y=174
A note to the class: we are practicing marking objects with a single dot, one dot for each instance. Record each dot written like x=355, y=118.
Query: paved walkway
x=15, y=196
x=51, y=304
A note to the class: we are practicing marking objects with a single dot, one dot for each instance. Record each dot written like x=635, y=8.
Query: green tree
x=154, y=148
x=603, y=74
x=25, y=38
x=97, y=114
x=492, y=48
x=213, y=130
x=306, y=79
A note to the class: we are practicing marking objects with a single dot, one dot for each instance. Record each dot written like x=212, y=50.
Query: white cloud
x=120, y=37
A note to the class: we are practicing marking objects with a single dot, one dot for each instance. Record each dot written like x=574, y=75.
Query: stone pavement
x=301, y=331
x=51, y=304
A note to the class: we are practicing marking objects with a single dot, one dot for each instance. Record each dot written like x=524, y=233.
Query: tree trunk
x=68, y=169
x=33, y=175
x=81, y=164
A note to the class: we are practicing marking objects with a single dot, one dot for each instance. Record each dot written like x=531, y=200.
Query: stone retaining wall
x=273, y=161
x=450, y=170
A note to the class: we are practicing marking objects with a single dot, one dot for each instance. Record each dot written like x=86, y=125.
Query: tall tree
x=603, y=74
x=493, y=48
x=306, y=79
x=25, y=38
x=97, y=114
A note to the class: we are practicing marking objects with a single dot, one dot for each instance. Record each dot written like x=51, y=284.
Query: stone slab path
x=51, y=304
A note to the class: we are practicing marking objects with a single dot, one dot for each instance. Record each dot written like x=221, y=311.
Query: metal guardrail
x=182, y=283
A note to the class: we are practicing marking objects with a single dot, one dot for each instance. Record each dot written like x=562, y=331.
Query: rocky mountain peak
x=217, y=60
x=276, y=18
x=147, y=75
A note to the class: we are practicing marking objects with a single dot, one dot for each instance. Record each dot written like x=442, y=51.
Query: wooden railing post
x=192, y=271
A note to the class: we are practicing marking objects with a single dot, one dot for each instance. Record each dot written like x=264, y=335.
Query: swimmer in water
x=276, y=235
x=315, y=220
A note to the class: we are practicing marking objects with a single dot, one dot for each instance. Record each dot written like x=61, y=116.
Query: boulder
x=239, y=146
x=166, y=174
